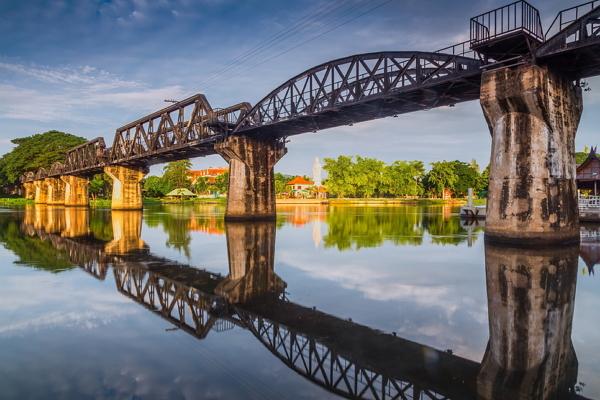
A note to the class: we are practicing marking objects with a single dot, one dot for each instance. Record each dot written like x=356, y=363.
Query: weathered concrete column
x=127, y=232
x=76, y=190
x=251, y=253
x=531, y=298
x=533, y=116
x=29, y=190
x=127, y=189
x=251, y=193
x=41, y=191
x=56, y=191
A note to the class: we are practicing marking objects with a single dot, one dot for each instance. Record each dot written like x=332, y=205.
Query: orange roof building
x=300, y=181
x=210, y=173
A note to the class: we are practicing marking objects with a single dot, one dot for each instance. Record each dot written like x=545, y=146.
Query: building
x=210, y=173
x=588, y=174
x=300, y=187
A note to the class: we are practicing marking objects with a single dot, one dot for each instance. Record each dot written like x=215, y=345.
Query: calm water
x=359, y=302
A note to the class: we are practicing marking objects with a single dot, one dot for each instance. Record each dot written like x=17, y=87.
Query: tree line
x=363, y=177
x=347, y=176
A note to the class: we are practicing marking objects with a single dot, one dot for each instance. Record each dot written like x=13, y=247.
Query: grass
x=14, y=201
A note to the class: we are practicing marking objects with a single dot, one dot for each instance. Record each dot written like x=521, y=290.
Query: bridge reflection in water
x=530, y=304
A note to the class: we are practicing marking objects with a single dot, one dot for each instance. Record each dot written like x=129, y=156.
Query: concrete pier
x=29, y=190
x=127, y=188
x=76, y=190
x=251, y=254
x=56, y=191
x=532, y=115
x=251, y=193
x=531, y=298
x=41, y=191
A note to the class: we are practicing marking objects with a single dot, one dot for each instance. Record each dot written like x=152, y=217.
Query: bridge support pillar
x=41, y=191
x=251, y=193
x=533, y=116
x=76, y=190
x=56, y=191
x=29, y=190
x=127, y=189
x=531, y=298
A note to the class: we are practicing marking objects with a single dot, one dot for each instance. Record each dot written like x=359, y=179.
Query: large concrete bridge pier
x=251, y=193
x=41, y=191
x=533, y=114
x=531, y=298
x=56, y=191
x=76, y=190
x=127, y=187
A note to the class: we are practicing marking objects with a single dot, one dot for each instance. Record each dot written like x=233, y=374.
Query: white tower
x=316, y=170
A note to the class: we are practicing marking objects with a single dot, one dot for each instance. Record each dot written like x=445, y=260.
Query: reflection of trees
x=443, y=230
x=351, y=227
x=358, y=227
x=31, y=251
x=100, y=225
x=178, y=220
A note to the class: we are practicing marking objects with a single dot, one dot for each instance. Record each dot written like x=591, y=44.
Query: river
x=326, y=302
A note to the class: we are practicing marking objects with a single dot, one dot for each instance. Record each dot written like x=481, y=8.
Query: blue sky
x=88, y=67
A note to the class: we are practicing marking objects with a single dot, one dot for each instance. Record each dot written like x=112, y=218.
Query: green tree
x=367, y=176
x=441, y=176
x=403, y=178
x=201, y=185
x=100, y=186
x=467, y=177
x=156, y=186
x=33, y=152
x=176, y=174
x=340, y=176
x=222, y=183
x=580, y=156
x=281, y=181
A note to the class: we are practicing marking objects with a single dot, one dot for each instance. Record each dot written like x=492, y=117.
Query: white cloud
x=75, y=94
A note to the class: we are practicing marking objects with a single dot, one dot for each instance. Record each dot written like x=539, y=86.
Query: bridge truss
x=354, y=89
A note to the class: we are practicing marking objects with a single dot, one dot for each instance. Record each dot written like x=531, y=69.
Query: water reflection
x=530, y=304
x=531, y=297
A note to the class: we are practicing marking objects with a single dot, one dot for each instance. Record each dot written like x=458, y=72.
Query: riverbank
x=105, y=203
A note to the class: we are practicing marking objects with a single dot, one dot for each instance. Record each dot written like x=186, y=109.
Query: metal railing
x=519, y=16
x=569, y=15
x=589, y=202
x=462, y=49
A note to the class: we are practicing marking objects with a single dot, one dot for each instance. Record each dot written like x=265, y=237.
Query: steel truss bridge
x=342, y=357
x=353, y=89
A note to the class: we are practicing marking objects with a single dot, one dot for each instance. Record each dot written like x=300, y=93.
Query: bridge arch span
x=363, y=87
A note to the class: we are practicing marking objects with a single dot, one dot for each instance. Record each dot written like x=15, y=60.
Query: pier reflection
x=530, y=302
x=531, y=298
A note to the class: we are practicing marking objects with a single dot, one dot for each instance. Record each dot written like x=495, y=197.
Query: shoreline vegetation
x=105, y=203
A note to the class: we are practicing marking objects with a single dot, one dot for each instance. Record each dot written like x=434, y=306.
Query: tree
x=156, y=186
x=281, y=181
x=222, y=183
x=367, y=176
x=176, y=174
x=201, y=185
x=34, y=152
x=339, y=176
x=467, y=177
x=403, y=178
x=580, y=156
x=441, y=176
x=100, y=186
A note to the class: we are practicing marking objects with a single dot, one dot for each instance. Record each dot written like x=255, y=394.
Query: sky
x=89, y=67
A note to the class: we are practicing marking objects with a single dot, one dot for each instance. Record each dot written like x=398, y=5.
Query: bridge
x=527, y=80
x=534, y=360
